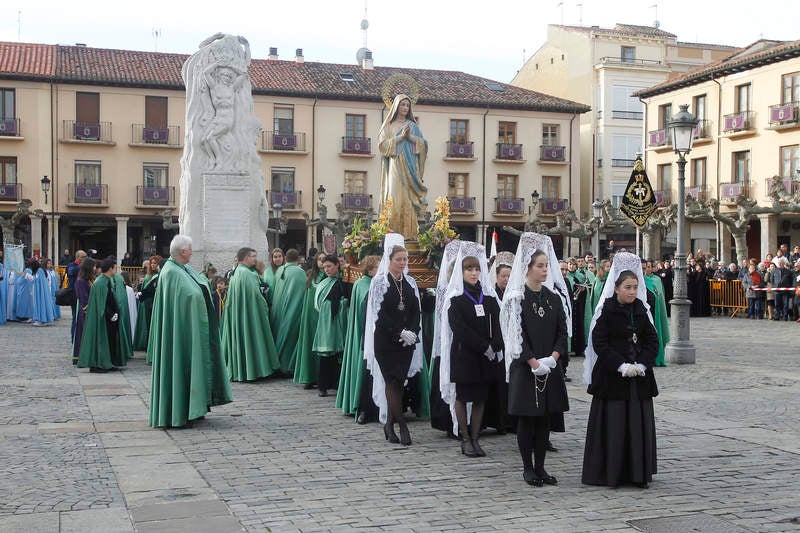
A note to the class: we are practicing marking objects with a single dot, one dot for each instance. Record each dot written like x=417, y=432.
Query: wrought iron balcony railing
x=155, y=196
x=87, y=194
x=169, y=135
x=87, y=131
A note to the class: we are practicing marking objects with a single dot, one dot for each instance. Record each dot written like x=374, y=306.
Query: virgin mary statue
x=403, y=152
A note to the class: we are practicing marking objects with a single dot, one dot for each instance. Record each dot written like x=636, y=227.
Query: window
x=87, y=108
x=8, y=170
x=741, y=167
x=7, y=104
x=664, y=177
x=627, y=53
x=700, y=106
x=790, y=161
x=624, y=149
x=624, y=105
x=507, y=133
x=742, y=98
x=457, y=185
x=283, y=120
x=355, y=126
x=355, y=182
x=550, y=186
x=791, y=88
x=617, y=192
x=698, y=178
x=282, y=179
x=664, y=114
x=506, y=186
x=347, y=76
x=459, y=133
x=549, y=134
x=155, y=174
x=87, y=173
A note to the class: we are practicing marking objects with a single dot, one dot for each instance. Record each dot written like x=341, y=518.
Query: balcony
x=729, y=192
x=10, y=192
x=659, y=139
x=94, y=132
x=154, y=196
x=739, y=124
x=356, y=202
x=698, y=193
x=783, y=116
x=291, y=201
x=553, y=206
x=631, y=62
x=789, y=185
x=509, y=152
x=168, y=137
x=460, y=150
x=462, y=205
x=663, y=197
x=623, y=163
x=87, y=195
x=509, y=206
x=357, y=146
x=627, y=115
x=272, y=141
x=9, y=127
x=555, y=155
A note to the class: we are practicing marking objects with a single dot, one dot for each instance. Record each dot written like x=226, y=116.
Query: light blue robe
x=3, y=293
x=23, y=298
x=42, y=298
x=52, y=276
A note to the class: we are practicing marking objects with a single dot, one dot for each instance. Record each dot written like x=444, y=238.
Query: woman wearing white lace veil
x=391, y=345
x=496, y=413
x=623, y=344
x=535, y=318
x=471, y=343
x=441, y=417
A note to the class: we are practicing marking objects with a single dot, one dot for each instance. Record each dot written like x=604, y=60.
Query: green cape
x=95, y=349
x=349, y=391
x=247, y=345
x=660, y=320
x=286, y=311
x=329, y=337
x=592, y=299
x=306, y=369
x=121, y=296
x=270, y=278
x=143, y=320
x=189, y=374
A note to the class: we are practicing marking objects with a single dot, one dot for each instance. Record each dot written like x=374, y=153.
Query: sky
x=489, y=39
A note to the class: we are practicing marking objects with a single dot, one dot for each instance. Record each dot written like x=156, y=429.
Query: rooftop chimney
x=82, y=45
x=273, y=53
x=367, y=63
x=298, y=56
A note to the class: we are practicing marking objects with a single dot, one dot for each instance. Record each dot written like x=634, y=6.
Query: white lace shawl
x=622, y=261
x=511, y=308
x=502, y=258
x=449, y=256
x=455, y=287
x=377, y=289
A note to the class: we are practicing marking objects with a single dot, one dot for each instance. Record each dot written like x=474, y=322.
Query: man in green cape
x=577, y=281
x=106, y=341
x=189, y=374
x=247, y=345
x=306, y=368
x=596, y=284
x=660, y=320
x=287, y=309
x=330, y=301
x=147, y=292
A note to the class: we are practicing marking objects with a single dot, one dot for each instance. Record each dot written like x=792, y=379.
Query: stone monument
x=223, y=205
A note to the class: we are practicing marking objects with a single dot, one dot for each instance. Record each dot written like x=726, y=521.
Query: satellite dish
x=364, y=24
x=361, y=54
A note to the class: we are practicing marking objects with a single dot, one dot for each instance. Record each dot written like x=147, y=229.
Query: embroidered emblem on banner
x=639, y=200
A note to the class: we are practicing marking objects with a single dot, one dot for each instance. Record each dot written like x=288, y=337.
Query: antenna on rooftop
x=19, y=25
x=561, y=5
x=656, y=23
x=361, y=54
x=156, y=35
x=579, y=5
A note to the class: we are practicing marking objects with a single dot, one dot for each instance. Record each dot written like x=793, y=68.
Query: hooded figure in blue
x=42, y=295
x=3, y=293
x=23, y=294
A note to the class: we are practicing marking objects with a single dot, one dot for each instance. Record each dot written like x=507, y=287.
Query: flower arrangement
x=368, y=240
x=434, y=239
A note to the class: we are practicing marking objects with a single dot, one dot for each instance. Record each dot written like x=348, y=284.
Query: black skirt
x=620, y=442
x=394, y=364
x=472, y=392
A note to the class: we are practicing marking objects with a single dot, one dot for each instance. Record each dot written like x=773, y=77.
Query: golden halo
x=397, y=84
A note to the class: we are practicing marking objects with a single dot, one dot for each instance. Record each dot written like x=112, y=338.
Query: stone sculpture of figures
x=403, y=150
x=223, y=84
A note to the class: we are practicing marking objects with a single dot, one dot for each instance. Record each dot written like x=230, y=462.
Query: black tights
x=532, y=435
x=474, y=421
x=394, y=401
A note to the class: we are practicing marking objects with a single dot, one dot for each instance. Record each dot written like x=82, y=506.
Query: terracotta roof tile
x=27, y=60
x=627, y=30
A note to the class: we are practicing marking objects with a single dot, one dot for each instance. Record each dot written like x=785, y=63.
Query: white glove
x=407, y=337
x=623, y=369
x=541, y=370
x=548, y=361
x=641, y=368
x=138, y=295
x=632, y=371
x=114, y=317
x=489, y=353
x=500, y=356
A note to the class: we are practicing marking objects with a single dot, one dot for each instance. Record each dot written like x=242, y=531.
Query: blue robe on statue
x=42, y=298
x=52, y=276
x=23, y=299
x=3, y=293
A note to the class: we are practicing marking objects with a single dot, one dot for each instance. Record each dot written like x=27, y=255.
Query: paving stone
x=214, y=524
x=167, y=511
x=65, y=427
x=114, y=520
x=30, y=523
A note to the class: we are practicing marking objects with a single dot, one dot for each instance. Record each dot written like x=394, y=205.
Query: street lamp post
x=680, y=350
x=597, y=207
x=277, y=212
x=45, y=181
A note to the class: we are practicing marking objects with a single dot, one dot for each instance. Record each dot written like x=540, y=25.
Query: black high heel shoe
x=468, y=448
x=405, y=435
x=530, y=478
x=478, y=450
x=388, y=432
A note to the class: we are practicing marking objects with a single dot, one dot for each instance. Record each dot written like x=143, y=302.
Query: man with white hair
x=782, y=279
x=189, y=374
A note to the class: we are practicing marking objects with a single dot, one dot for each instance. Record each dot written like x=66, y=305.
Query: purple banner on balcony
x=284, y=142
x=88, y=193
x=286, y=199
x=462, y=204
x=658, y=138
x=661, y=197
x=155, y=135
x=359, y=146
x=730, y=190
x=8, y=192
x=510, y=205
x=553, y=153
x=88, y=132
x=459, y=150
x=8, y=126
x=553, y=206
x=782, y=113
x=155, y=195
x=694, y=192
x=734, y=122
x=510, y=151
x=356, y=201
x=699, y=130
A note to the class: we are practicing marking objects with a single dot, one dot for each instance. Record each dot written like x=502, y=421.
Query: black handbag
x=66, y=297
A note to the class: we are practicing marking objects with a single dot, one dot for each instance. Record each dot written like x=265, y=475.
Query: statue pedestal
x=418, y=269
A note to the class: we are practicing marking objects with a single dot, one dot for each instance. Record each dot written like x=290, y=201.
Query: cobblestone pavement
x=76, y=453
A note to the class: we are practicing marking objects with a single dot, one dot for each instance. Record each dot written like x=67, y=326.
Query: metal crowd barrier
x=727, y=295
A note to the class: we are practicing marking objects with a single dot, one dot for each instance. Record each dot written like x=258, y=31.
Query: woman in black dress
x=621, y=435
x=534, y=320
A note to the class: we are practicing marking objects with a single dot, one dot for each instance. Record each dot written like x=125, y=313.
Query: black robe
x=393, y=358
x=472, y=336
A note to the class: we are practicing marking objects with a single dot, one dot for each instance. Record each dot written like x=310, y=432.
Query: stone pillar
x=122, y=237
x=769, y=233
x=56, y=253
x=36, y=237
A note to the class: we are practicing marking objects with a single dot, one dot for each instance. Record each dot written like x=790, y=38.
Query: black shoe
x=567, y=379
x=98, y=370
x=530, y=478
x=323, y=393
x=362, y=418
x=405, y=435
x=468, y=448
x=477, y=447
x=642, y=485
x=388, y=432
x=549, y=480
x=549, y=447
